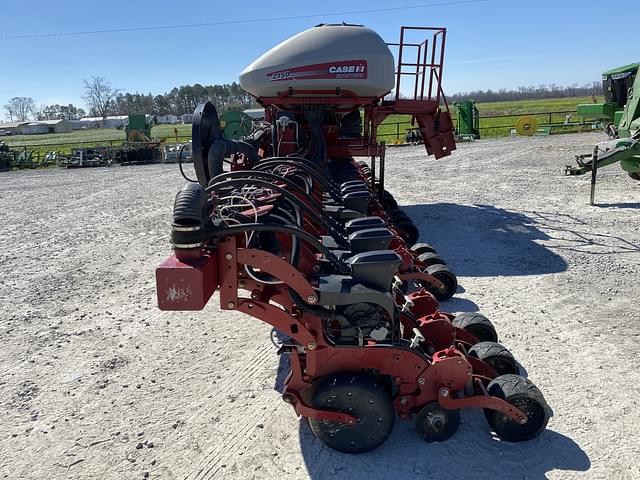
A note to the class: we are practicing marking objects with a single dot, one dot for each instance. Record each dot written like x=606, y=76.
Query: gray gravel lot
x=95, y=382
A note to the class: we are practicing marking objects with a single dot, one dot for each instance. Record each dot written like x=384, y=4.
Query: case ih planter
x=298, y=234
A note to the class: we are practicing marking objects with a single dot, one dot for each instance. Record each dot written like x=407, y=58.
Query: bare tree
x=99, y=95
x=19, y=108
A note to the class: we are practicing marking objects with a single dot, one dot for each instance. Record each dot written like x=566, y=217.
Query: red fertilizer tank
x=325, y=57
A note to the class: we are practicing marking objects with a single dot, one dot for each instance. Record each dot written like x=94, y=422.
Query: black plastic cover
x=344, y=290
x=375, y=268
x=362, y=223
x=370, y=239
x=358, y=201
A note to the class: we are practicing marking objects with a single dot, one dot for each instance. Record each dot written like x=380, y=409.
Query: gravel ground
x=95, y=382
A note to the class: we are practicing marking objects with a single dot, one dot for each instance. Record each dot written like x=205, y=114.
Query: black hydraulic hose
x=184, y=175
x=300, y=159
x=342, y=267
x=247, y=149
x=314, y=173
x=295, y=241
x=293, y=161
x=246, y=174
x=223, y=147
x=215, y=157
x=315, y=216
x=257, y=173
x=295, y=251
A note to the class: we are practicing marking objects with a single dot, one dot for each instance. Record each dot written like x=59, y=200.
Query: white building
x=114, y=121
x=167, y=119
x=34, y=128
x=187, y=118
x=56, y=126
x=12, y=128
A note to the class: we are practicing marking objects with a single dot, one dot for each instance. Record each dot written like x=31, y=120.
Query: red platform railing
x=426, y=70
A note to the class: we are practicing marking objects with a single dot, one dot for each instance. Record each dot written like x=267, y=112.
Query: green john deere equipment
x=139, y=128
x=139, y=148
x=620, y=115
x=468, y=120
x=235, y=124
x=618, y=84
x=467, y=124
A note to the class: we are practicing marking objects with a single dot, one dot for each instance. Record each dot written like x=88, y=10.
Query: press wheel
x=523, y=394
x=496, y=355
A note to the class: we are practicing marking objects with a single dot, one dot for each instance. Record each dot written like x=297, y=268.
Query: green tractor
x=620, y=108
x=620, y=115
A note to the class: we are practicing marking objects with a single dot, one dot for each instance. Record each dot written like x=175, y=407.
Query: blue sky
x=491, y=44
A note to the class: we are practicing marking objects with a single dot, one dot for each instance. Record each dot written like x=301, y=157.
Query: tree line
x=530, y=93
x=184, y=99
x=23, y=109
x=102, y=99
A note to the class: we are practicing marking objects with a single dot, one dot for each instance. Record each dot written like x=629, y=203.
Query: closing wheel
x=431, y=259
x=496, y=355
x=634, y=175
x=358, y=395
x=410, y=232
x=398, y=216
x=478, y=325
x=420, y=248
x=523, y=394
x=436, y=424
x=388, y=201
x=447, y=277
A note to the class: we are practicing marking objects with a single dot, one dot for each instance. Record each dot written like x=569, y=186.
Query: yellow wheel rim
x=527, y=125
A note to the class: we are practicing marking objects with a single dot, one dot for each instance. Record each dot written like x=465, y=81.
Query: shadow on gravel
x=471, y=453
x=481, y=240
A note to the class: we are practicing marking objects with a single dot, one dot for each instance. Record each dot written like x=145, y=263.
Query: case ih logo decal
x=331, y=70
x=347, y=69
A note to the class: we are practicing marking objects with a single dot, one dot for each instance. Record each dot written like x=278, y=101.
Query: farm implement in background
x=467, y=120
x=620, y=115
x=23, y=158
x=235, y=124
x=137, y=149
x=620, y=107
x=467, y=124
x=85, y=158
x=6, y=157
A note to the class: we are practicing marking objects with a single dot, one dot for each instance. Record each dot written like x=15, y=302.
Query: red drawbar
x=186, y=286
